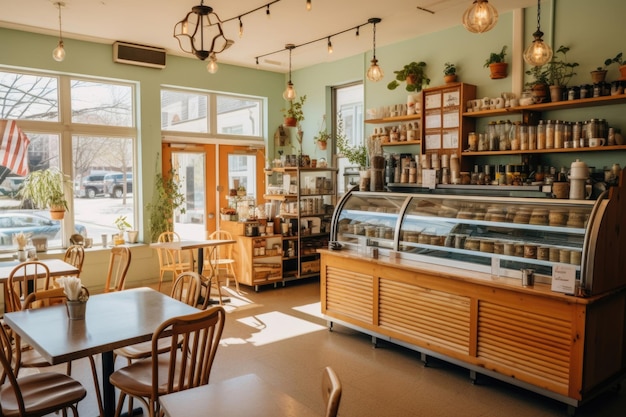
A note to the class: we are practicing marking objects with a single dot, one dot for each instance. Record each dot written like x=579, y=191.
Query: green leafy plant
x=449, y=69
x=166, y=198
x=44, y=189
x=356, y=155
x=295, y=109
x=556, y=72
x=615, y=60
x=496, y=57
x=414, y=74
x=322, y=135
x=122, y=224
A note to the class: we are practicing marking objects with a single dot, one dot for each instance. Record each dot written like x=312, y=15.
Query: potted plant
x=497, y=67
x=323, y=136
x=167, y=198
x=538, y=86
x=413, y=74
x=123, y=226
x=356, y=155
x=449, y=73
x=559, y=72
x=44, y=189
x=617, y=60
x=294, y=114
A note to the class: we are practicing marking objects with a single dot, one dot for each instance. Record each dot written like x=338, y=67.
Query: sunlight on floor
x=313, y=309
x=275, y=326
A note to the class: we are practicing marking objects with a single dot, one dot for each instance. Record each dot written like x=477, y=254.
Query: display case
x=498, y=235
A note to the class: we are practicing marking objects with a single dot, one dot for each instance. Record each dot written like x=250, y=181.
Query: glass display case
x=497, y=235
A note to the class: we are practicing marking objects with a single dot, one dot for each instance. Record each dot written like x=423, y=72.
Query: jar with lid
x=573, y=93
x=532, y=137
x=541, y=135
x=585, y=91
x=577, y=134
x=472, y=141
x=558, y=134
x=549, y=134
x=492, y=136
x=483, y=142
x=501, y=175
x=514, y=136
x=567, y=134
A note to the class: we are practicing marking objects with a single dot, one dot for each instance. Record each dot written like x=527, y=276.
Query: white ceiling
x=152, y=23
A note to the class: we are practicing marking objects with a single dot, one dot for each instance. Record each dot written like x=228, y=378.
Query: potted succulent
x=413, y=74
x=323, y=136
x=44, y=189
x=617, y=60
x=294, y=114
x=496, y=64
x=449, y=73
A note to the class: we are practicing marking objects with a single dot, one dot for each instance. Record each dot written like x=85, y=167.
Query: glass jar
x=524, y=139
x=549, y=135
x=558, y=135
x=492, y=136
x=472, y=141
x=514, y=137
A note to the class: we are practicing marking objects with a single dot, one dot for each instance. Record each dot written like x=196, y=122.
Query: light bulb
x=290, y=93
x=480, y=17
x=330, y=47
x=374, y=72
x=59, y=52
x=308, y=5
x=538, y=53
x=240, y=28
x=212, y=65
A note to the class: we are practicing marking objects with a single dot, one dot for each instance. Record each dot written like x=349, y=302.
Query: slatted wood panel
x=424, y=315
x=350, y=293
x=532, y=344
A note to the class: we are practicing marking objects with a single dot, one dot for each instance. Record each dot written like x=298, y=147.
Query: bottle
x=558, y=135
x=541, y=135
x=549, y=135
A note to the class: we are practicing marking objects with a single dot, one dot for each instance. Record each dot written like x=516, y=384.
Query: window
x=99, y=138
x=184, y=112
x=348, y=104
x=238, y=116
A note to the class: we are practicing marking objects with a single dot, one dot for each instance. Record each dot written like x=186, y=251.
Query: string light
x=240, y=27
x=212, y=65
x=374, y=72
x=59, y=52
x=290, y=93
x=330, y=46
x=267, y=12
x=308, y=5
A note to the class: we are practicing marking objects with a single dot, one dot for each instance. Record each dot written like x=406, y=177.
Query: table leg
x=108, y=391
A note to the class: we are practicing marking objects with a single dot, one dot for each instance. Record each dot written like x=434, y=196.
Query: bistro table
x=246, y=395
x=210, y=244
x=112, y=320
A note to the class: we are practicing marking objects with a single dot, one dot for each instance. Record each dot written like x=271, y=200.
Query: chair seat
x=39, y=396
x=136, y=379
x=144, y=349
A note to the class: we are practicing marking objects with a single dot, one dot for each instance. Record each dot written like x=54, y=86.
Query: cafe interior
x=119, y=98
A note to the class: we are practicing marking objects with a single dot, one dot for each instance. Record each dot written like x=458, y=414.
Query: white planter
x=131, y=236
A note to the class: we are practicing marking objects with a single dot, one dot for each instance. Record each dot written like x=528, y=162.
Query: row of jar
x=548, y=134
x=401, y=133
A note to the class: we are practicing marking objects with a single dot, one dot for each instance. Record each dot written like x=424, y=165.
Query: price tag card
x=429, y=178
x=564, y=278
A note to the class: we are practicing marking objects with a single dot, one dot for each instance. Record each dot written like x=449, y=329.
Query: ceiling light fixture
x=212, y=65
x=308, y=5
x=290, y=93
x=539, y=52
x=480, y=17
x=330, y=46
x=59, y=52
x=200, y=33
x=374, y=72
x=240, y=28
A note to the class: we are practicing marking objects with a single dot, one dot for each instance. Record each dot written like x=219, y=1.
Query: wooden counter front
x=564, y=347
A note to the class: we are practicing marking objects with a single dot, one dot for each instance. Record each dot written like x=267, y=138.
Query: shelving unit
x=306, y=198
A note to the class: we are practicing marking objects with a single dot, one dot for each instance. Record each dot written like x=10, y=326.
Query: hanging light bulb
x=539, y=52
x=212, y=65
x=308, y=5
x=480, y=17
x=59, y=52
x=267, y=11
x=374, y=72
x=240, y=28
x=330, y=46
x=290, y=93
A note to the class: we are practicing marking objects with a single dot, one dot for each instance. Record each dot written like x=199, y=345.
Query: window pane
x=98, y=103
x=184, y=112
x=103, y=183
x=238, y=116
x=43, y=153
x=28, y=97
x=242, y=171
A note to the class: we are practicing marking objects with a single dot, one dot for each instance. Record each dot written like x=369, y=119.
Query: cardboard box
x=310, y=267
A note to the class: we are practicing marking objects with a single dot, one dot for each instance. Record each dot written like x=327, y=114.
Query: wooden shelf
x=404, y=143
x=559, y=105
x=406, y=118
x=558, y=150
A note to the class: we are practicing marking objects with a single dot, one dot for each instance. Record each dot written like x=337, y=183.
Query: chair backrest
x=331, y=391
x=75, y=255
x=44, y=298
x=169, y=257
x=198, y=336
x=187, y=287
x=222, y=251
x=25, y=278
x=118, y=267
x=169, y=237
x=9, y=364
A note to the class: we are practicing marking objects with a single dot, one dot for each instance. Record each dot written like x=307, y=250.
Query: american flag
x=13, y=147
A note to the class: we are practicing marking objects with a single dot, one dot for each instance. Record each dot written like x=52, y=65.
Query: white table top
x=246, y=395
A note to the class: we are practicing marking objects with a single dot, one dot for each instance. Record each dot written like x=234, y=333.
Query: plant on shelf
x=556, y=73
x=449, y=73
x=294, y=114
x=44, y=189
x=166, y=198
x=617, y=60
x=496, y=64
x=123, y=226
x=357, y=154
x=323, y=136
x=414, y=74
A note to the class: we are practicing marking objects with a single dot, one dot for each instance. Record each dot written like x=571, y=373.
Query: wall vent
x=142, y=55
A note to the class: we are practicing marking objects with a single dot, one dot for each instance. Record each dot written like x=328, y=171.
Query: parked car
x=91, y=186
x=13, y=222
x=11, y=186
x=114, y=184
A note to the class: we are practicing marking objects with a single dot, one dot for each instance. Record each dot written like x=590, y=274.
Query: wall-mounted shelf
x=403, y=143
x=405, y=118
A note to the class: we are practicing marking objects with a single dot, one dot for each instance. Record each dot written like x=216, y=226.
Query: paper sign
x=564, y=278
x=495, y=266
x=429, y=178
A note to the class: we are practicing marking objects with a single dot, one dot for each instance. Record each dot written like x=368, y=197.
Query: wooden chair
x=25, y=278
x=172, y=260
x=34, y=395
x=222, y=261
x=198, y=336
x=118, y=267
x=331, y=391
x=75, y=255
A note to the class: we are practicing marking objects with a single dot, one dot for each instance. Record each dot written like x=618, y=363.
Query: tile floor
x=280, y=335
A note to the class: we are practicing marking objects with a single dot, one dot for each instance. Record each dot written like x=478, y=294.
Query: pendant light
x=59, y=52
x=308, y=5
x=480, y=17
x=290, y=93
x=374, y=72
x=539, y=52
x=212, y=65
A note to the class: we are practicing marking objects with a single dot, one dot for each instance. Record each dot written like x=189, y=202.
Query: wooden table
x=57, y=268
x=113, y=320
x=246, y=395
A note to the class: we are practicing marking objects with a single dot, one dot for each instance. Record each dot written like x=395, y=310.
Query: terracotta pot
x=556, y=93
x=498, y=70
x=322, y=145
x=540, y=93
x=598, y=76
x=449, y=78
x=57, y=213
x=622, y=71
x=290, y=121
x=411, y=79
